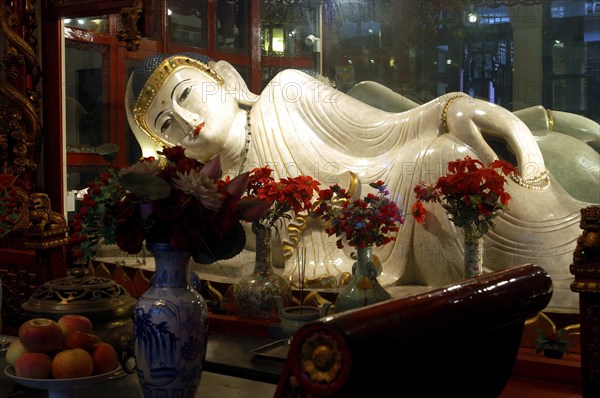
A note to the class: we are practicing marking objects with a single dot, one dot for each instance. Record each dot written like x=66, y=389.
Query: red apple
x=72, y=363
x=72, y=322
x=15, y=350
x=40, y=335
x=105, y=358
x=33, y=365
x=79, y=339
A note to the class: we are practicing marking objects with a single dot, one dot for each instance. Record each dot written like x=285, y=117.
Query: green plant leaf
x=146, y=186
x=108, y=151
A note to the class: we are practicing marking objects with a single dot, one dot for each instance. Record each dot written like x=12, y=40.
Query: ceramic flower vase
x=363, y=289
x=473, y=256
x=255, y=293
x=170, y=328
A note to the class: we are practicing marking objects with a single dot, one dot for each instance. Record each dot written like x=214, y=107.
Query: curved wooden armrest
x=462, y=338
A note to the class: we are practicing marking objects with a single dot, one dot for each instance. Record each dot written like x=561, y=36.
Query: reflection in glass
x=187, y=22
x=94, y=24
x=86, y=90
x=232, y=25
x=86, y=109
x=285, y=24
x=78, y=178
x=547, y=53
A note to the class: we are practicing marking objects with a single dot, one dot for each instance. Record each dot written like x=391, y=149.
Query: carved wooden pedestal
x=34, y=253
x=586, y=268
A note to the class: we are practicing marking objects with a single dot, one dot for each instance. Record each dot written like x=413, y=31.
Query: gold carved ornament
x=586, y=256
x=46, y=228
x=296, y=229
x=19, y=190
x=20, y=135
x=129, y=20
x=321, y=359
x=42, y=227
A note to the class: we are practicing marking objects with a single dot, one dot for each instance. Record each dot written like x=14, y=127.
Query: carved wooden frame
x=20, y=129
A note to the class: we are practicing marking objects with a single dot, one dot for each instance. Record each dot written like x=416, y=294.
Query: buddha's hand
x=472, y=121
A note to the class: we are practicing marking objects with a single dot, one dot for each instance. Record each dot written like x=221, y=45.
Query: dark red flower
x=175, y=200
x=362, y=222
x=472, y=194
x=418, y=211
x=294, y=194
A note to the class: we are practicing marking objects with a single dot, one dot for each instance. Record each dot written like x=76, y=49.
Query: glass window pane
x=86, y=103
x=285, y=26
x=78, y=178
x=187, y=23
x=95, y=24
x=516, y=55
x=232, y=26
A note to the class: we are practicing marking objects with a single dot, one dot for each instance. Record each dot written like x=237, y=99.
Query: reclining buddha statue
x=301, y=125
x=570, y=143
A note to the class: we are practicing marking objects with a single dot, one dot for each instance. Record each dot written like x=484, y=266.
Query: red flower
x=326, y=194
x=471, y=192
x=177, y=200
x=363, y=222
x=284, y=196
x=418, y=211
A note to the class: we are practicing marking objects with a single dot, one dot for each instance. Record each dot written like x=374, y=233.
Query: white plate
x=59, y=388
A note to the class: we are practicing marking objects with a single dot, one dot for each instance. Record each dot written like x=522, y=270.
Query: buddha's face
x=194, y=111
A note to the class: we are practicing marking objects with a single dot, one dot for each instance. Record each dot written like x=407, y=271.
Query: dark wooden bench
x=460, y=340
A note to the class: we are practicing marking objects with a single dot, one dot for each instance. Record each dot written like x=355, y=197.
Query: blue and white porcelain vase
x=363, y=289
x=170, y=328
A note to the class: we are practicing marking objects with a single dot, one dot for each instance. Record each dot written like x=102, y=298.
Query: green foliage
x=552, y=341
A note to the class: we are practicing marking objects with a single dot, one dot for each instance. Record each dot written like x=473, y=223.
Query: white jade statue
x=299, y=125
x=570, y=143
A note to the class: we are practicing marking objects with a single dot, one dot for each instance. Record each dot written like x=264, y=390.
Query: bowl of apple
x=60, y=356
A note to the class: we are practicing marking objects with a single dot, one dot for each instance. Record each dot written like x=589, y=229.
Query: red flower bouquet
x=175, y=200
x=472, y=194
x=372, y=220
x=281, y=197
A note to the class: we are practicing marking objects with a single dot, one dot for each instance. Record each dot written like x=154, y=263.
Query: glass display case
x=515, y=55
x=187, y=23
x=232, y=21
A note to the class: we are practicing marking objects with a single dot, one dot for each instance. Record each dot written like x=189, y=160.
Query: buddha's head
x=184, y=99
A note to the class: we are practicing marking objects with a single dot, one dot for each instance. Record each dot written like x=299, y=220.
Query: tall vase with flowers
x=361, y=223
x=181, y=209
x=472, y=194
x=282, y=199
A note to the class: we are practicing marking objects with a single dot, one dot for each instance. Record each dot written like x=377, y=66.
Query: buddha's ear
x=234, y=83
x=147, y=145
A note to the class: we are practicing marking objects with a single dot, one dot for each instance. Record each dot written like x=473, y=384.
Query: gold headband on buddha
x=156, y=80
